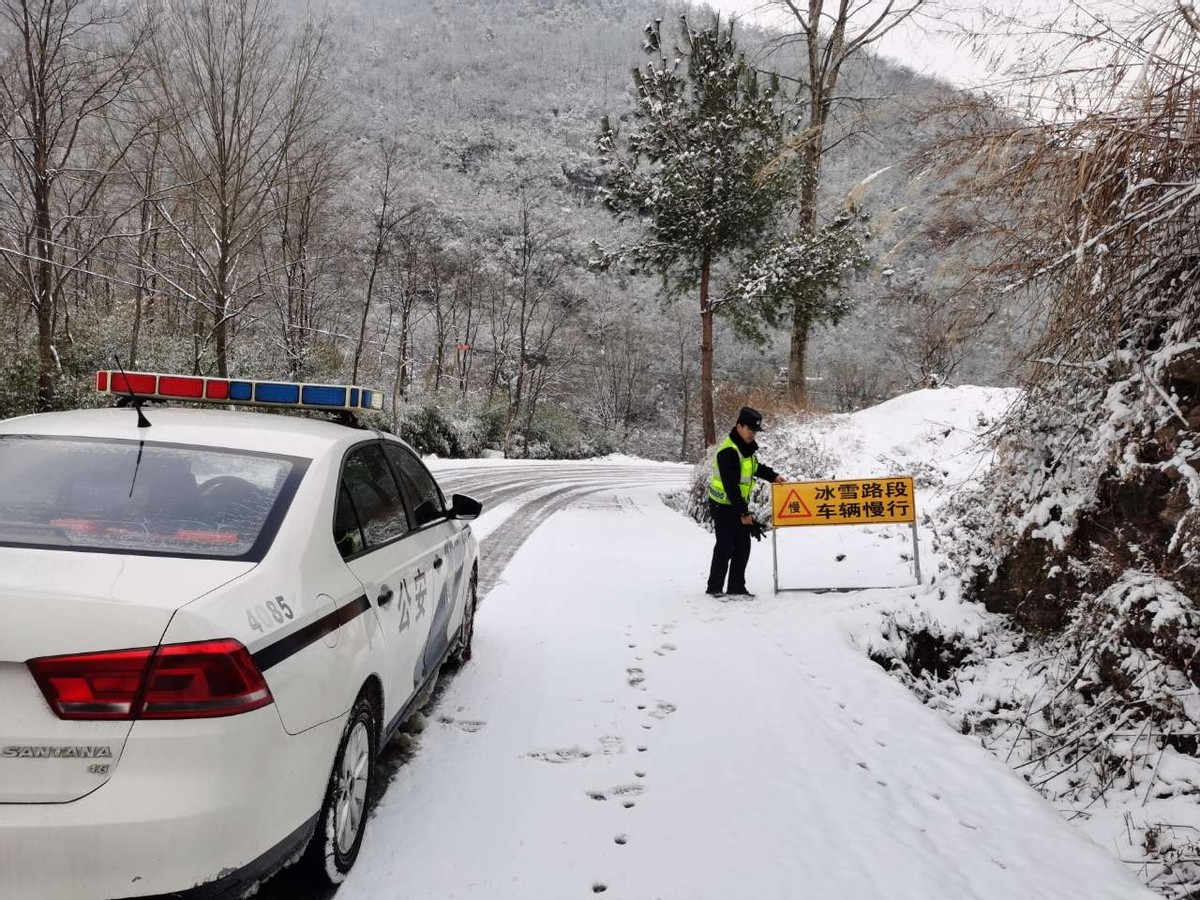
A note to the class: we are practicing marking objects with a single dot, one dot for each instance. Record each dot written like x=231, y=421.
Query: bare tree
x=535, y=263
x=67, y=67
x=388, y=217
x=827, y=34
x=240, y=88
x=301, y=198
x=618, y=385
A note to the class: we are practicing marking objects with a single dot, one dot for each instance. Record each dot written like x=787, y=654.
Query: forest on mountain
x=409, y=196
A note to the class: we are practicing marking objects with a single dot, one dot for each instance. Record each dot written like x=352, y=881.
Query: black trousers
x=731, y=552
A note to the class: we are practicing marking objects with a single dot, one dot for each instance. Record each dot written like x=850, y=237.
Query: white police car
x=208, y=628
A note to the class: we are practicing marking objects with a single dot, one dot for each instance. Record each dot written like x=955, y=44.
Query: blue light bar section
x=323, y=395
x=354, y=397
x=241, y=391
x=276, y=392
x=366, y=399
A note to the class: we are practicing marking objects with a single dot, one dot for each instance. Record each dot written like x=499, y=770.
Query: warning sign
x=860, y=501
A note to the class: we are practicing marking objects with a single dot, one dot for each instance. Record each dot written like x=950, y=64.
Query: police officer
x=734, y=471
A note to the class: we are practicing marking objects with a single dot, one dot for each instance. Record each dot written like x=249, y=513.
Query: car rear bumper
x=190, y=803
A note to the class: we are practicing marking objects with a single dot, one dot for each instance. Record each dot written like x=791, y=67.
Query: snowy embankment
x=620, y=732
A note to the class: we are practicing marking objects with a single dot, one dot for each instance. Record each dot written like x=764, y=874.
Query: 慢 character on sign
x=794, y=507
x=873, y=509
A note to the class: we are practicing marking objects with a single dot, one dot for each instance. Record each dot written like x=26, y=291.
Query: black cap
x=751, y=418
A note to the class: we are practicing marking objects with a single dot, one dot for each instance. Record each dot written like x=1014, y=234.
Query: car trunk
x=63, y=602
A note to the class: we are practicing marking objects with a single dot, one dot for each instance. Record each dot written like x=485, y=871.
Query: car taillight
x=175, y=681
x=92, y=685
x=214, y=678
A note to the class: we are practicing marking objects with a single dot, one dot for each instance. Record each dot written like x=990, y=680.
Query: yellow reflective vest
x=716, y=486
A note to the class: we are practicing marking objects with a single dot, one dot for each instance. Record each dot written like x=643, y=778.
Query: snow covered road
x=619, y=732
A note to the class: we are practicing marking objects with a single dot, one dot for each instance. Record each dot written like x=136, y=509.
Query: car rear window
x=142, y=497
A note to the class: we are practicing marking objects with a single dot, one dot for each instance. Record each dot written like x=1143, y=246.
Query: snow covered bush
x=797, y=453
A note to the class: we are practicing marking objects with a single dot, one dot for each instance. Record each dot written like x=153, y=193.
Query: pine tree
x=794, y=274
x=694, y=169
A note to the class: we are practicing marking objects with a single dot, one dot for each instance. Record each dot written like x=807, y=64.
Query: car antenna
x=137, y=401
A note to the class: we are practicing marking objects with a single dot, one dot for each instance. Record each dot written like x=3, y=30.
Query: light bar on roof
x=243, y=392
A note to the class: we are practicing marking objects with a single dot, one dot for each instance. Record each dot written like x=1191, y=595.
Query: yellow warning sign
x=859, y=501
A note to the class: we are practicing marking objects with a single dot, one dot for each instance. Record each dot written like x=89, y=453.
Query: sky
x=926, y=44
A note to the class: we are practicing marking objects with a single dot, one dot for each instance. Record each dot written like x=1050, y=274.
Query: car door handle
x=437, y=563
x=385, y=596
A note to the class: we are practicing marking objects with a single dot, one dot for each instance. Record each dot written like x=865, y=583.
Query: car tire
x=343, y=818
x=461, y=652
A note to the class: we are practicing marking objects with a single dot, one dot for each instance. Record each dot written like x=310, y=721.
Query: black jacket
x=731, y=470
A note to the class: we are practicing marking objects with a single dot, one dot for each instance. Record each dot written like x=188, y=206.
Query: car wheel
x=466, y=632
x=343, y=817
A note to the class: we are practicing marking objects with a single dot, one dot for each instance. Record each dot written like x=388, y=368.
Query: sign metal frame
x=826, y=590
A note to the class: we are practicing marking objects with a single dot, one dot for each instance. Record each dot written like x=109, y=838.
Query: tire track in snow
x=495, y=486
x=497, y=550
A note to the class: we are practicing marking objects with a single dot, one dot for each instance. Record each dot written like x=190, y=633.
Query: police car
x=210, y=623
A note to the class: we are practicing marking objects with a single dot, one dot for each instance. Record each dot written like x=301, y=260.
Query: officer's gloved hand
x=756, y=530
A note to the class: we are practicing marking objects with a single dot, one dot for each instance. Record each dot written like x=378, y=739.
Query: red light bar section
x=216, y=389
x=138, y=382
x=102, y=382
x=184, y=388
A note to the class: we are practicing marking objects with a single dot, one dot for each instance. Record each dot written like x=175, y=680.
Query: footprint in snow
x=622, y=840
x=621, y=791
x=568, y=754
x=599, y=888
x=610, y=745
x=663, y=710
x=468, y=725
x=967, y=825
x=862, y=765
x=664, y=649
x=635, y=676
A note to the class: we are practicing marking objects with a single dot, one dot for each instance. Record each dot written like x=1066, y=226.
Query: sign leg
x=775, y=559
x=916, y=553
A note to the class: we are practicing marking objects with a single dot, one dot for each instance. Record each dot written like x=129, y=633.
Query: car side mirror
x=464, y=507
